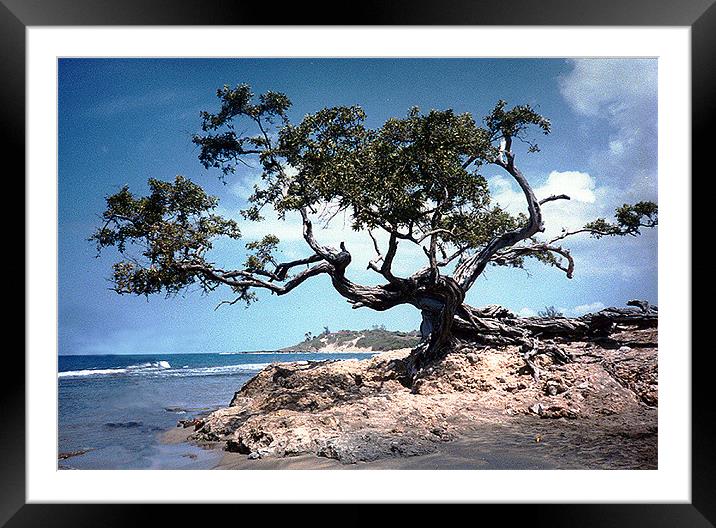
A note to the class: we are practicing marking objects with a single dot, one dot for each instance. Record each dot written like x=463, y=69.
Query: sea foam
x=164, y=369
x=152, y=366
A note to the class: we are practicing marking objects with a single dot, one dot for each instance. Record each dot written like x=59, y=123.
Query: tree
x=550, y=311
x=415, y=178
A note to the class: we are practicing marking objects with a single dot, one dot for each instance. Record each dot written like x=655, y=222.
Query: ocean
x=115, y=407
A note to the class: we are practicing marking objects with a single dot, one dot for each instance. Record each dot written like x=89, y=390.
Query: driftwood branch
x=496, y=326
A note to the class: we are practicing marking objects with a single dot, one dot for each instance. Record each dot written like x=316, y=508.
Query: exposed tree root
x=532, y=348
x=496, y=326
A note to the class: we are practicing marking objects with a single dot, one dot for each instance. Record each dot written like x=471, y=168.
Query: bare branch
x=553, y=198
x=468, y=271
x=385, y=268
x=283, y=268
x=513, y=253
x=239, y=279
x=432, y=233
x=457, y=253
x=327, y=253
x=375, y=246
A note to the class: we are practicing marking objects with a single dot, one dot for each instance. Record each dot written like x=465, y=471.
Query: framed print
x=425, y=248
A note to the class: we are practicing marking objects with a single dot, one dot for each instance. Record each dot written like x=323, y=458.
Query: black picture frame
x=699, y=15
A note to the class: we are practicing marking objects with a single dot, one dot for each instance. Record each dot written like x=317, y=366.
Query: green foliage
x=172, y=228
x=396, y=176
x=262, y=253
x=223, y=150
x=377, y=338
x=382, y=339
x=629, y=219
x=416, y=177
x=515, y=122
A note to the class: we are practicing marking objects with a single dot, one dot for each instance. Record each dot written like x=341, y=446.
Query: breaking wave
x=164, y=369
x=149, y=367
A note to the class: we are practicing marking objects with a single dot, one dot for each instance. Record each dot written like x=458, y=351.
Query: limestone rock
x=357, y=411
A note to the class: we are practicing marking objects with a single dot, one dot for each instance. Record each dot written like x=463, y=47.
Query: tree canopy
x=418, y=178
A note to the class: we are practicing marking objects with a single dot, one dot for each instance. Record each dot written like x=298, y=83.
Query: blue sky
x=123, y=121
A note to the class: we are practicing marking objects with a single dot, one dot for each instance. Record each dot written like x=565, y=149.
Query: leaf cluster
x=173, y=227
x=628, y=220
x=414, y=175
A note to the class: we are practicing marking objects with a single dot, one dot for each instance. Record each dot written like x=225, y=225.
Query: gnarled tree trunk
x=439, y=299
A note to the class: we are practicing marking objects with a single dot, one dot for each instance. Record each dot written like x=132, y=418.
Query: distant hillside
x=374, y=340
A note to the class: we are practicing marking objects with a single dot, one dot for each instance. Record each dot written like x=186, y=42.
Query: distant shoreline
x=313, y=351
x=370, y=341
x=253, y=352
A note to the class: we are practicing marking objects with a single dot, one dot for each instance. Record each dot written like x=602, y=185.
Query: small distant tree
x=550, y=311
x=308, y=336
x=416, y=178
x=326, y=331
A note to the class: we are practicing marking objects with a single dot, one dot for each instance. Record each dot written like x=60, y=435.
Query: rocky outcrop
x=357, y=411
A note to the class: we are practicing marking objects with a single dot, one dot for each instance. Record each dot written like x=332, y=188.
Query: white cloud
x=622, y=92
x=612, y=86
x=617, y=259
x=587, y=200
x=111, y=106
x=244, y=187
x=617, y=147
x=579, y=186
x=526, y=312
x=587, y=308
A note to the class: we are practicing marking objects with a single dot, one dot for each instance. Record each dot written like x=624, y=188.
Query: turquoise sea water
x=117, y=406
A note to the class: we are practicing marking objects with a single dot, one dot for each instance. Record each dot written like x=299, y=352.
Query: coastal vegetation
x=374, y=339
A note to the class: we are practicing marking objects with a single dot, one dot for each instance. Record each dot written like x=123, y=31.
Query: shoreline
x=473, y=410
x=252, y=352
x=306, y=352
x=524, y=443
x=343, y=350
